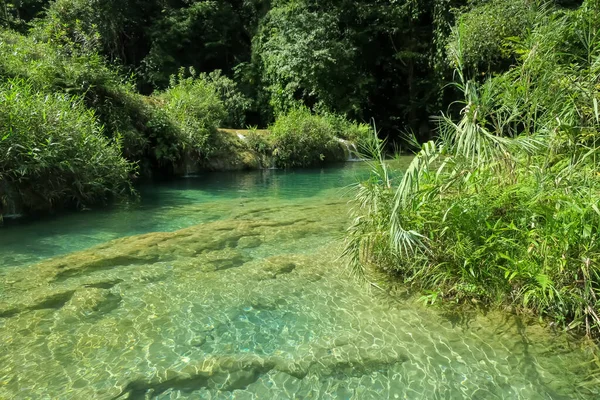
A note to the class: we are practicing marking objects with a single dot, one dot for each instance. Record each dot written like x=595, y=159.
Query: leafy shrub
x=302, y=139
x=49, y=68
x=305, y=58
x=145, y=131
x=126, y=114
x=76, y=26
x=504, y=206
x=487, y=30
x=258, y=142
x=357, y=133
x=54, y=152
x=196, y=109
x=154, y=131
x=235, y=103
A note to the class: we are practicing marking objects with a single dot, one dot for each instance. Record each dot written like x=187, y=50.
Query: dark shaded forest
x=382, y=60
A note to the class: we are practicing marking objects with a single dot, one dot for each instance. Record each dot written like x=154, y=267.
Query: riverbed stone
x=249, y=242
x=257, y=303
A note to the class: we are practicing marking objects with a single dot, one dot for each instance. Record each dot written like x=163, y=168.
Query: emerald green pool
x=228, y=286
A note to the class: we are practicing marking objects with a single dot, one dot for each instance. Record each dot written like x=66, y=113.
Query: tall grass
x=503, y=206
x=154, y=131
x=54, y=152
x=52, y=67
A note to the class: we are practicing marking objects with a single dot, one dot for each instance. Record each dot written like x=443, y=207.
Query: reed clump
x=503, y=207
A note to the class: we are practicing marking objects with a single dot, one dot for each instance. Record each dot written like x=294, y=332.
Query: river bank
x=237, y=150
x=234, y=150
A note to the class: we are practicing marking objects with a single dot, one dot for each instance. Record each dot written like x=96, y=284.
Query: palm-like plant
x=504, y=205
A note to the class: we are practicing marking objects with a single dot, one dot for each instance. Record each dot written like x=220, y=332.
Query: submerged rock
x=228, y=373
x=255, y=305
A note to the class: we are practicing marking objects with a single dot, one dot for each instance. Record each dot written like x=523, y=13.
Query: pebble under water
x=228, y=286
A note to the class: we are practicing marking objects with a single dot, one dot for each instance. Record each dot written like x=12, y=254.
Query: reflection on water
x=229, y=287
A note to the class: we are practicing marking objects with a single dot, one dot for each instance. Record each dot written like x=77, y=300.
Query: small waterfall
x=351, y=150
x=354, y=154
x=272, y=163
x=11, y=215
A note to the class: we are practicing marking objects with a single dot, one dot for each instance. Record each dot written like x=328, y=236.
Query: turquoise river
x=229, y=286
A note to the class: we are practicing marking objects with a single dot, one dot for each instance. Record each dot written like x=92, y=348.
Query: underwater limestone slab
x=238, y=371
x=117, y=317
x=248, y=242
x=275, y=224
x=51, y=284
x=196, y=312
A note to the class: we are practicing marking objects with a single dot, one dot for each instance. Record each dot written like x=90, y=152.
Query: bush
x=54, y=152
x=357, y=133
x=196, y=109
x=55, y=68
x=146, y=132
x=487, y=31
x=258, y=142
x=235, y=103
x=154, y=131
x=51, y=68
x=302, y=139
x=504, y=206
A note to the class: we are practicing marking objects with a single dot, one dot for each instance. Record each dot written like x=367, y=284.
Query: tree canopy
x=365, y=59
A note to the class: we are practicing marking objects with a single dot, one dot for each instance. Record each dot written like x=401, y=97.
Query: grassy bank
x=74, y=132
x=503, y=208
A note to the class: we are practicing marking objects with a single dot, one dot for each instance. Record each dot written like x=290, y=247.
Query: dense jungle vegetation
x=499, y=99
x=502, y=207
x=157, y=79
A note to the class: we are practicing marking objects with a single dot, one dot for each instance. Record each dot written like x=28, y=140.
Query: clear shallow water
x=228, y=287
x=168, y=206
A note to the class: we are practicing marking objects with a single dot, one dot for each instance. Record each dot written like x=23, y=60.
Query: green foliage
x=206, y=35
x=155, y=38
x=302, y=139
x=155, y=130
x=487, y=33
x=300, y=51
x=196, y=109
x=78, y=25
x=54, y=152
x=113, y=28
x=259, y=142
x=51, y=69
x=235, y=102
x=503, y=207
x=16, y=14
x=122, y=111
x=368, y=59
x=358, y=59
x=357, y=133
